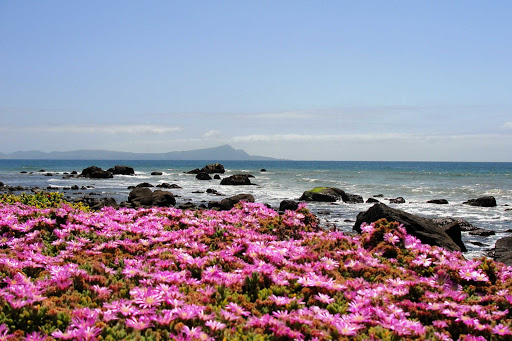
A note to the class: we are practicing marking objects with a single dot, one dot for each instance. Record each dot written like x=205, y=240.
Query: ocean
x=416, y=182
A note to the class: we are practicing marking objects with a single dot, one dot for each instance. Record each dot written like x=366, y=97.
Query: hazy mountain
x=224, y=152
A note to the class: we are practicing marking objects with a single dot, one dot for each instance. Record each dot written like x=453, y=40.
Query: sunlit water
x=417, y=182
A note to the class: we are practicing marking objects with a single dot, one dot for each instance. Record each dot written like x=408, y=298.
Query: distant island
x=224, y=152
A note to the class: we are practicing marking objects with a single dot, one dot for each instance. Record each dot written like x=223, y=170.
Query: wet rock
x=48, y=174
x=121, y=170
x=291, y=205
x=237, y=180
x=229, y=203
x=1, y=184
x=330, y=194
x=263, y=170
x=23, y=172
x=503, y=250
x=187, y=206
x=144, y=184
x=464, y=224
x=94, y=172
x=74, y=172
x=197, y=192
x=144, y=197
x=166, y=185
x=427, y=230
x=209, y=169
x=41, y=171
x=98, y=203
x=163, y=198
x=371, y=201
x=156, y=173
x=378, y=196
x=482, y=232
x=438, y=201
x=74, y=187
x=487, y=201
x=216, y=177
x=324, y=212
x=203, y=176
x=398, y=200
x=478, y=244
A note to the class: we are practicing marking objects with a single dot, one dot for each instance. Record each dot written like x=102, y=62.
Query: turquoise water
x=417, y=182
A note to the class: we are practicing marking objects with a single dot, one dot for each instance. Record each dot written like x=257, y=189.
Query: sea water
x=416, y=182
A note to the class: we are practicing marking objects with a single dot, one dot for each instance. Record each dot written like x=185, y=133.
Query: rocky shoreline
x=445, y=232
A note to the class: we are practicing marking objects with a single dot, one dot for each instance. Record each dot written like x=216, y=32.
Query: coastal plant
x=245, y=274
x=40, y=199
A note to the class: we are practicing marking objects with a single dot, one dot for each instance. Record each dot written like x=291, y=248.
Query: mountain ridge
x=223, y=152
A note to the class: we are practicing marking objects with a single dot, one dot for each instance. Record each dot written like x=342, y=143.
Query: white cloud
x=99, y=129
x=211, y=134
x=508, y=125
x=305, y=137
x=279, y=115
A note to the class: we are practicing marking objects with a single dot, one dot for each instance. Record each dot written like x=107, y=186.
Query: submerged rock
x=427, y=230
x=438, y=201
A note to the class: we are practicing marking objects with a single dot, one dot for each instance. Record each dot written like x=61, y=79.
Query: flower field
x=244, y=274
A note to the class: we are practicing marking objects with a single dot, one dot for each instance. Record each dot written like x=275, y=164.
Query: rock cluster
x=330, y=194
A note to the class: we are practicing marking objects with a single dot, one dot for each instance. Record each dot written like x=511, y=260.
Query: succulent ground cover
x=246, y=274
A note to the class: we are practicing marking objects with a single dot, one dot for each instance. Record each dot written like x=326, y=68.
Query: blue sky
x=307, y=80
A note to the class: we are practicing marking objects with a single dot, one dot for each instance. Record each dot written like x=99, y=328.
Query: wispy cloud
x=211, y=134
x=279, y=115
x=99, y=129
x=508, y=125
x=306, y=137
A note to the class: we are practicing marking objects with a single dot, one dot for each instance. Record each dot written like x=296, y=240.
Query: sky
x=302, y=80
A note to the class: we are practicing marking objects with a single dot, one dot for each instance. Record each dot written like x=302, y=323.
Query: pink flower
x=215, y=325
x=324, y=298
x=501, y=329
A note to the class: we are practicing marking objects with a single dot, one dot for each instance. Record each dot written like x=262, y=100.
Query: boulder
x=398, y=200
x=121, y=170
x=503, y=251
x=378, y=196
x=263, y=170
x=427, y=230
x=187, y=206
x=1, y=184
x=74, y=172
x=98, y=203
x=291, y=205
x=482, y=232
x=144, y=184
x=438, y=201
x=96, y=173
x=23, y=172
x=237, y=180
x=487, y=201
x=143, y=197
x=213, y=168
x=330, y=194
x=194, y=171
x=167, y=185
x=229, y=203
x=203, y=176
x=216, y=177
x=372, y=201
x=156, y=173
x=464, y=224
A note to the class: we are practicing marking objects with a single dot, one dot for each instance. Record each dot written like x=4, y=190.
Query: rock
x=503, y=251
x=197, y=192
x=74, y=172
x=482, y=232
x=163, y=198
x=371, y=201
x=378, y=196
x=23, y=172
x=209, y=169
x=41, y=171
x=75, y=188
x=187, y=206
x=48, y=174
x=324, y=212
x=96, y=173
x=1, y=184
x=438, y=201
x=237, y=180
x=216, y=177
x=398, y=200
x=203, y=176
x=213, y=168
x=464, y=224
x=98, y=203
x=121, y=170
x=427, y=230
x=166, y=185
x=229, y=203
x=156, y=173
x=143, y=197
x=330, y=194
x=144, y=184
x=487, y=201
x=478, y=244
x=291, y=205
x=263, y=170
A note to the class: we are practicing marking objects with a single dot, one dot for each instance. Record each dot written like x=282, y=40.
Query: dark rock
x=291, y=205
x=144, y=184
x=438, y=201
x=324, y=212
x=427, y=230
x=41, y=171
x=464, y=224
x=163, y=198
x=48, y=174
x=229, y=203
x=508, y=209
x=237, y=180
x=378, y=196
x=23, y=172
x=330, y=194
x=216, y=177
x=74, y=188
x=503, y=250
x=398, y=200
x=156, y=173
x=194, y=171
x=478, y=244
x=187, y=206
x=121, y=170
x=1, y=184
x=74, y=172
x=213, y=168
x=203, y=176
x=482, y=232
x=166, y=185
x=371, y=201
x=509, y=231
x=96, y=173
x=197, y=192
x=130, y=187
x=66, y=188
x=65, y=173
x=487, y=201
x=263, y=170
x=98, y=203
